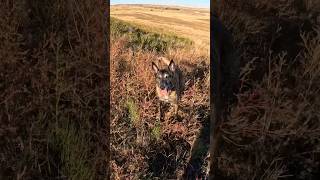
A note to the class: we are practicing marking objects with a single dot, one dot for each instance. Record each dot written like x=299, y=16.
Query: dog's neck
x=167, y=97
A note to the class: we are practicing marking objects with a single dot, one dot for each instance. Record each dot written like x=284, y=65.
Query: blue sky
x=189, y=3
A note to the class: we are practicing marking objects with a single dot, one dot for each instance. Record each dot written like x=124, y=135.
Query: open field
x=273, y=130
x=142, y=147
x=53, y=98
x=185, y=22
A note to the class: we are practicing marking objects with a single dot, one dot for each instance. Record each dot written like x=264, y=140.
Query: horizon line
x=186, y=6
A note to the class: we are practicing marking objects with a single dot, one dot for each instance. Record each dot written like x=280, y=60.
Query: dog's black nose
x=170, y=85
x=162, y=86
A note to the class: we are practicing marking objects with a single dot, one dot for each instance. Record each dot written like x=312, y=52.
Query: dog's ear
x=155, y=67
x=172, y=66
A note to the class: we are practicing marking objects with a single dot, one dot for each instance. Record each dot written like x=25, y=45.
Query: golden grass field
x=142, y=147
x=273, y=128
x=54, y=88
x=193, y=23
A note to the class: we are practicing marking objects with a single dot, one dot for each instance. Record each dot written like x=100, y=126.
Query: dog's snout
x=169, y=85
x=162, y=86
x=166, y=85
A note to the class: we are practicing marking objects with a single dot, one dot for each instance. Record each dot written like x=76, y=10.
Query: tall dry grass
x=273, y=132
x=141, y=146
x=53, y=100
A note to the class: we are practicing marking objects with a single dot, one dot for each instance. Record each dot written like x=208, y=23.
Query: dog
x=169, y=84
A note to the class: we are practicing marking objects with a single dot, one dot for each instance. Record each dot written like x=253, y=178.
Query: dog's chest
x=170, y=98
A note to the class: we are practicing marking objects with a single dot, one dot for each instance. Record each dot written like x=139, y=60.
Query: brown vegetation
x=141, y=146
x=274, y=131
x=52, y=100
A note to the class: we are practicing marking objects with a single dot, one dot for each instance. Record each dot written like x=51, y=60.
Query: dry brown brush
x=141, y=146
x=273, y=132
x=52, y=100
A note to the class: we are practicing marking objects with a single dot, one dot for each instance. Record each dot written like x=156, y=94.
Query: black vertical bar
x=106, y=27
x=216, y=102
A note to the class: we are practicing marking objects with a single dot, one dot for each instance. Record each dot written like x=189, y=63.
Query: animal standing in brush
x=169, y=84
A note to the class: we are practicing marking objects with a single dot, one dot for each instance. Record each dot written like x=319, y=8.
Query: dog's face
x=165, y=79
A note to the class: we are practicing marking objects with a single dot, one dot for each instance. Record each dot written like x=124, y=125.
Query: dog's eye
x=165, y=75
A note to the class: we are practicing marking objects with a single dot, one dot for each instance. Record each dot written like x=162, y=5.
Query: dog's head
x=165, y=78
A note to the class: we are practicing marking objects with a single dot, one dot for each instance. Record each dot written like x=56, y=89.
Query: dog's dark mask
x=165, y=78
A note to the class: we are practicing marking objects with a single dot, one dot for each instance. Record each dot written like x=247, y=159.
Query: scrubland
x=142, y=147
x=274, y=128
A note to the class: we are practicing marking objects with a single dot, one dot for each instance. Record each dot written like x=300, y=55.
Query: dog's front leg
x=176, y=108
x=161, y=111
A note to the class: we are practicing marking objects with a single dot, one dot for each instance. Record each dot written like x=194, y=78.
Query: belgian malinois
x=169, y=84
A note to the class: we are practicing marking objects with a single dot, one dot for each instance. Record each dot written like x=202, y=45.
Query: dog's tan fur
x=174, y=97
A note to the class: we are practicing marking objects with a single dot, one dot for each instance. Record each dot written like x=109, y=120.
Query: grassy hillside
x=141, y=146
x=53, y=96
x=144, y=39
x=185, y=22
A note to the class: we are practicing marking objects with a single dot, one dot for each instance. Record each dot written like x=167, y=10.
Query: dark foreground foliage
x=52, y=95
x=274, y=130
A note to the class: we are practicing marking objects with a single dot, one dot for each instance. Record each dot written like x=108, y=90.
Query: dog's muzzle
x=166, y=86
x=164, y=92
